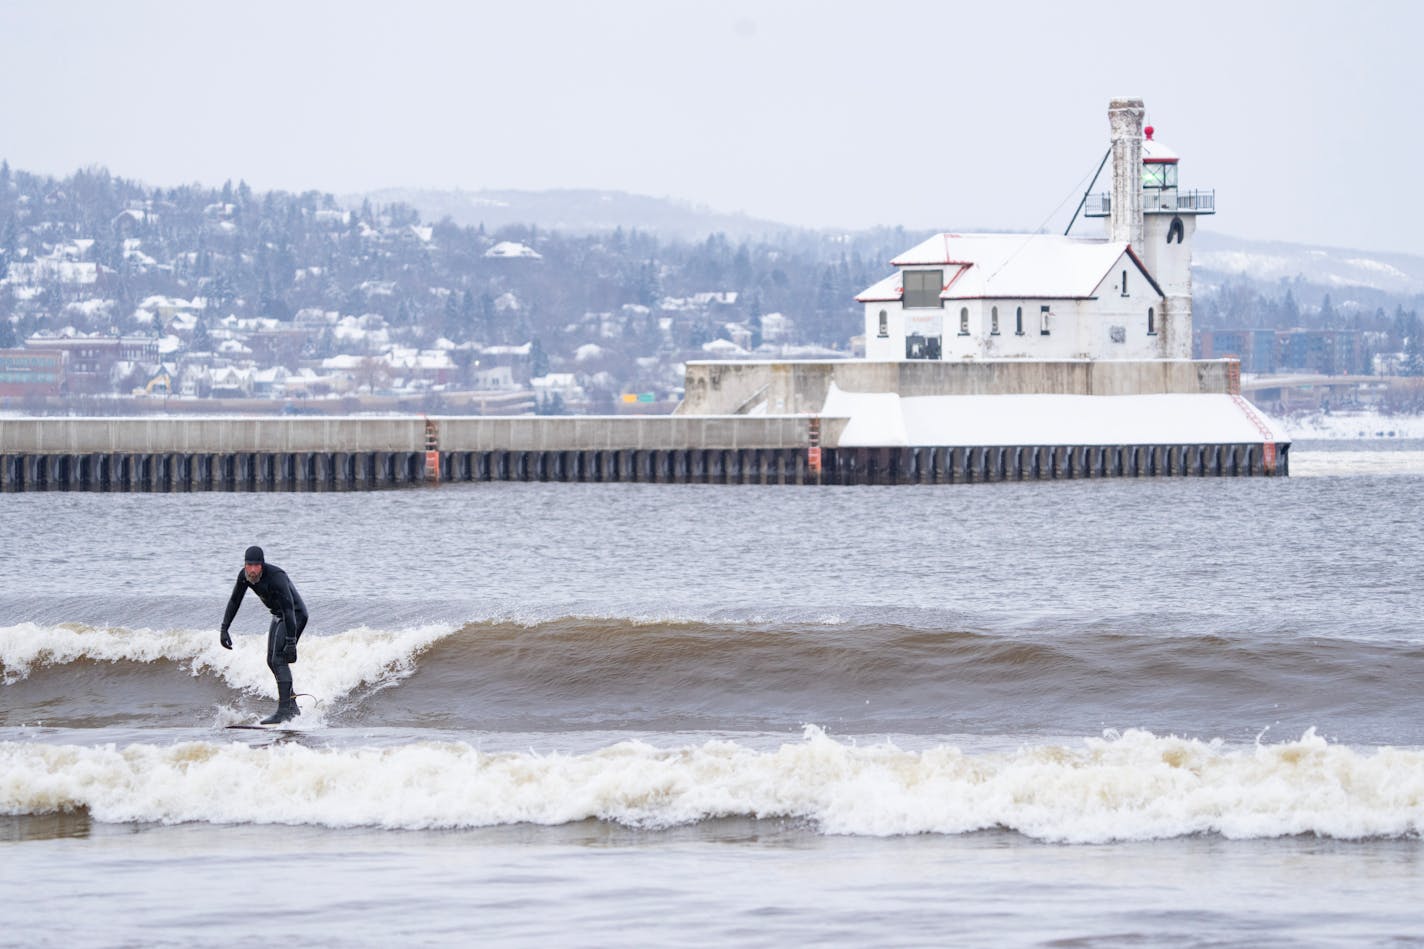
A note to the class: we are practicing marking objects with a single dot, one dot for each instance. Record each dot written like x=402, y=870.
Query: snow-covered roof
x=724, y=346
x=554, y=380
x=513, y=249
x=522, y=349
x=1037, y=266
x=425, y=359
x=343, y=362
x=887, y=419
x=1155, y=152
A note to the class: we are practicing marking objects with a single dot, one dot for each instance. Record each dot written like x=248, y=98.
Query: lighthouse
x=1150, y=211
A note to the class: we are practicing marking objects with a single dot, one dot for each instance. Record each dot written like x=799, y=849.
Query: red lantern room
x=1159, y=163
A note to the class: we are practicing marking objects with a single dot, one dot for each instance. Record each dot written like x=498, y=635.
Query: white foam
x=1129, y=787
x=328, y=666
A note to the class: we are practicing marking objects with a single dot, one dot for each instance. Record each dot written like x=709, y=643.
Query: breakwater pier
x=359, y=453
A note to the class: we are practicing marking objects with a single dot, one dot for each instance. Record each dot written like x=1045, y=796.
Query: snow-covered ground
x=886, y=418
x=1353, y=425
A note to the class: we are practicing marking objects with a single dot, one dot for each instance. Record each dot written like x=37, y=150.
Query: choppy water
x=1091, y=713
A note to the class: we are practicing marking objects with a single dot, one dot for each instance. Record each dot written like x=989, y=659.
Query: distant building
x=1331, y=352
x=1004, y=296
x=1264, y=351
x=1256, y=348
x=93, y=360
x=31, y=372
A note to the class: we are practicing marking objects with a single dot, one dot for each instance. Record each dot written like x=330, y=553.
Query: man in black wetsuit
x=289, y=617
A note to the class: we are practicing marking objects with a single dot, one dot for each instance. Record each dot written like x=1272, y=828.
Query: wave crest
x=1135, y=786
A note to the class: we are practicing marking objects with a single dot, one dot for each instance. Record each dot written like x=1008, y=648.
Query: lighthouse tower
x=1150, y=211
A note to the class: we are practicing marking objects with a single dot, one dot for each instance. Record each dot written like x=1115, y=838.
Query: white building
x=1042, y=296
x=1014, y=296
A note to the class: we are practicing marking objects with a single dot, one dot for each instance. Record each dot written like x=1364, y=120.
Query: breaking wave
x=1133, y=786
x=669, y=674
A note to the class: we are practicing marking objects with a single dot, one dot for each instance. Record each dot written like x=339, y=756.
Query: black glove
x=289, y=651
x=224, y=639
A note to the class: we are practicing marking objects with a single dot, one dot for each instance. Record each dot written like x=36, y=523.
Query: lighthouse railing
x=1157, y=200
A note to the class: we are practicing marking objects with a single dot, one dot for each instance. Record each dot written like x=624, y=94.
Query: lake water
x=1091, y=713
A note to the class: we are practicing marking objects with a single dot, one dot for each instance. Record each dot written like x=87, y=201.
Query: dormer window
x=922, y=289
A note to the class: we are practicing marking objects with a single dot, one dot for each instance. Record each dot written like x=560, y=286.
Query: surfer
x=289, y=617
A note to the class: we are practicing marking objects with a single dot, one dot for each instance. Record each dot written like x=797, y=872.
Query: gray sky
x=1303, y=116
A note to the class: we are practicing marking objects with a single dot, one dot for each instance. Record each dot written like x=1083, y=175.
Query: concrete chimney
x=1125, y=220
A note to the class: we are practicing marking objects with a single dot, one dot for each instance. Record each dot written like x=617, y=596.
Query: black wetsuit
x=289, y=614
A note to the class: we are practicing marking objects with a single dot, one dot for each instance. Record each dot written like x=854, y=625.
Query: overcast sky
x=1303, y=115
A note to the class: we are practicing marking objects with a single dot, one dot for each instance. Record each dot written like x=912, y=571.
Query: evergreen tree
x=1413, y=345
x=648, y=292
x=452, y=326
x=538, y=359
x=202, y=341
x=8, y=339
x=552, y=405
x=1289, y=312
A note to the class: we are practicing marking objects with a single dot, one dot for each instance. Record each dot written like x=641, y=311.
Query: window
x=994, y=321
x=922, y=347
x=1151, y=321
x=964, y=321
x=1043, y=320
x=884, y=325
x=1159, y=175
x=1124, y=283
x=1018, y=321
x=922, y=288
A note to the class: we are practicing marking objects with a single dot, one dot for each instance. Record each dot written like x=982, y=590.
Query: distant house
x=232, y=383
x=776, y=327
x=488, y=378
x=428, y=366
x=159, y=382
x=563, y=384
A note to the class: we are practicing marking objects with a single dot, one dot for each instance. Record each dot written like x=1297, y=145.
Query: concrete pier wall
x=361, y=471
x=245, y=454
x=800, y=387
x=387, y=434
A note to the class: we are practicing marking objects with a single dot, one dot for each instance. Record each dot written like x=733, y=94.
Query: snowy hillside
x=1217, y=258
x=573, y=211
